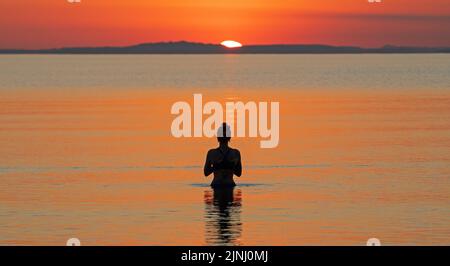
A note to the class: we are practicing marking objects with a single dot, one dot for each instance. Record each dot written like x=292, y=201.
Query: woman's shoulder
x=213, y=151
x=217, y=151
x=235, y=152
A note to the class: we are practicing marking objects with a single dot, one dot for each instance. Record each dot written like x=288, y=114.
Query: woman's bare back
x=224, y=162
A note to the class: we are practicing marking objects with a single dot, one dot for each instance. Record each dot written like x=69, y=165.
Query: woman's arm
x=238, y=167
x=208, y=168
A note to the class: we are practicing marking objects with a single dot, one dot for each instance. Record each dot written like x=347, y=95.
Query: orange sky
x=56, y=23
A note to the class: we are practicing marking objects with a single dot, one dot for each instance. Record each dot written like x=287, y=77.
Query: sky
x=35, y=24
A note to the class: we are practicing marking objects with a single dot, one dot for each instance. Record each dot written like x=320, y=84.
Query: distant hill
x=184, y=47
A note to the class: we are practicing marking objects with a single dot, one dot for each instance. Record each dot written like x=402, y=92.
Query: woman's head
x=224, y=133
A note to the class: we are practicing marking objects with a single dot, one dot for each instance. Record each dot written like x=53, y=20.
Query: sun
x=231, y=44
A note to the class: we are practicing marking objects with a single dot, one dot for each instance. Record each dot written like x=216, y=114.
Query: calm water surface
x=86, y=151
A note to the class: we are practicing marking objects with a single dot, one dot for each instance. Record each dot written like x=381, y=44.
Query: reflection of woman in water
x=223, y=216
x=223, y=161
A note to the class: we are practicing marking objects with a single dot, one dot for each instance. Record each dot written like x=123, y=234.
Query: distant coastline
x=183, y=47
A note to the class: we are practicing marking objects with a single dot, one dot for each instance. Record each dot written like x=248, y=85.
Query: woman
x=223, y=161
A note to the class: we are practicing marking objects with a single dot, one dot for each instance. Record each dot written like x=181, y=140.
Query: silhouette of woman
x=223, y=161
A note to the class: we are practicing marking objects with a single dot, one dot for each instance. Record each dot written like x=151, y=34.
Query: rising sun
x=231, y=44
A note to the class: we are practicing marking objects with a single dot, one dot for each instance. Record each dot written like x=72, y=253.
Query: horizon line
x=387, y=45
x=187, y=47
